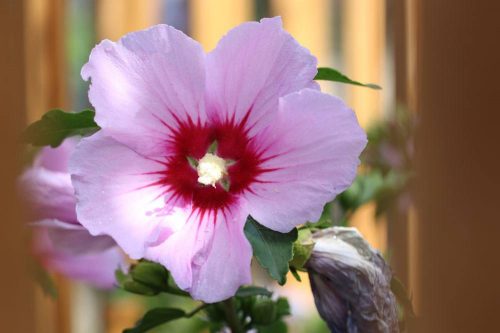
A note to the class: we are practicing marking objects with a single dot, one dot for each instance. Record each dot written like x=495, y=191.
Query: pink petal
x=251, y=67
x=49, y=194
x=146, y=78
x=311, y=153
x=73, y=239
x=117, y=192
x=96, y=268
x=208, y=258
x=56, y=159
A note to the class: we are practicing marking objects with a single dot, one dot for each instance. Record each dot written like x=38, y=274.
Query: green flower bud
x=139, y=288
x=150, y=274
x=264, y=311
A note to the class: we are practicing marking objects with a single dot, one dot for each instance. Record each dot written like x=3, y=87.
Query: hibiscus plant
x=193, y=163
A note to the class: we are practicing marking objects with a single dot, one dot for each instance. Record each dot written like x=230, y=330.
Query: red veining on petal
x=192, y=139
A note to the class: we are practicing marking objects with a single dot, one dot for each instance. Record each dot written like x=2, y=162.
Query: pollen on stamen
x=211, y=169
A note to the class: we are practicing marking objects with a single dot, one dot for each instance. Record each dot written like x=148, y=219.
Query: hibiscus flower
x=192, y=143
x=61, y=243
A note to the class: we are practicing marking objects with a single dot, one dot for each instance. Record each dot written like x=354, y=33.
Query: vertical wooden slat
x=310, y=22
x=56, y=49
x=46, y=89
x=458, y=164
x=397, y=218
x=412, y=36
x=123, y=313
x=398, y=241
x=412, y=12
x=65, y=296
x=364, y=45
x=363, y=34
x=88, y=309
x=374, y=230
x=211, y=19
x=46, y=67
x=37, y=18
x=414, y=257
x=118, y=17
x=400, y=44
x=16, y=303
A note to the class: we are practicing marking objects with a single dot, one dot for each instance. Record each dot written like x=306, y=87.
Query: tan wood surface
x=458, y=102
x=17, y=309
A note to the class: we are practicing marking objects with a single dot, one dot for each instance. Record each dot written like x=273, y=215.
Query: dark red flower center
x=192, y=141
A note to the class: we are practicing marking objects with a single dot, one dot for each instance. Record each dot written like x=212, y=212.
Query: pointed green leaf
x=295, y=274
x=154, y=318
x=272, y=249
x=57, y=125
x=330, y=74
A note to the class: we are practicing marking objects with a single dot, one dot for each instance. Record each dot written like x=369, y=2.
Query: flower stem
x=232, y=316
x=196, y=310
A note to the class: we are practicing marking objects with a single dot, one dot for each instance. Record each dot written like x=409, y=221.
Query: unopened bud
x=351, y=283
x=264, y=311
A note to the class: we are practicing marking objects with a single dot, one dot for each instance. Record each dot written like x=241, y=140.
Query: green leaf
x=154, y=318
x=151, y=274
x=253, y=291
x=216, y=312
x=264, y=311
x=276, y=327
x=283, y=307
x=272, y=249
x=295, y=274
x=394, y=184
x=330, y=74
x=57, y=125
x=364, y=189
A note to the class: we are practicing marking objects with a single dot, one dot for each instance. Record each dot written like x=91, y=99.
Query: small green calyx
x=302, y=249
